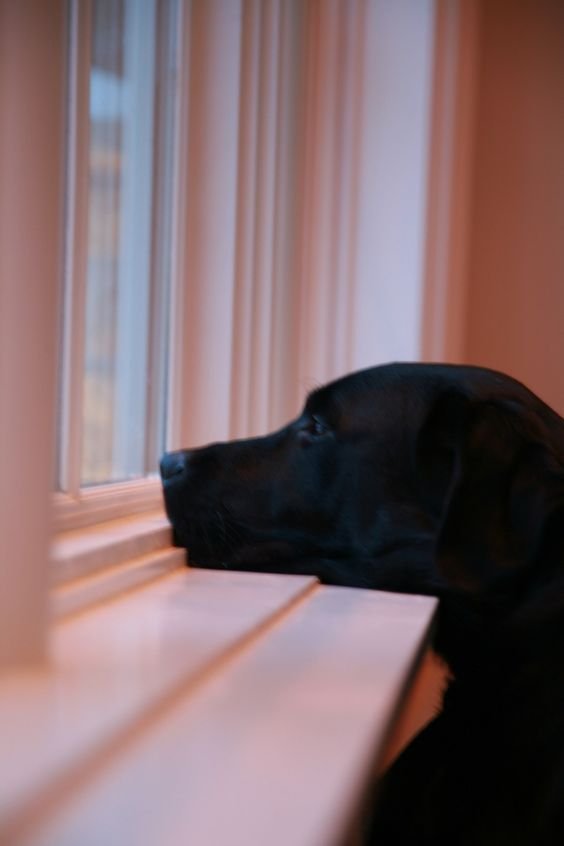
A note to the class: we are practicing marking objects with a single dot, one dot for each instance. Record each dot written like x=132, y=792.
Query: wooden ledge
x=207, y=708
x=96, y=563
x=82, y=552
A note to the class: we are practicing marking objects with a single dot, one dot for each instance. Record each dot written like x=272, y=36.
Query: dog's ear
x=437, y=448
x=498, y=489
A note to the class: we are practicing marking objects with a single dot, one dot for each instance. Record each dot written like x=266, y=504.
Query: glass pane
x=131, y=153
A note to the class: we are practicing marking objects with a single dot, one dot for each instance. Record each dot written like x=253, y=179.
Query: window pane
x=131, y=155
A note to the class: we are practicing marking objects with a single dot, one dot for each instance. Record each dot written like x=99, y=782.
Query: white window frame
x=135, y=247
x=77, y=506
x=31, y=173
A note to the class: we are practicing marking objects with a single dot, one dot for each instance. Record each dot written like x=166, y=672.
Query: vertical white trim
x=266, y=216
x=137, y=196
x=76, y=246
x=175, y=423
x=393, y=163
x=166, y=208
x=348, y=127
x=31, y=176
x=285, y=392
x=443, y=331
x=321, y=194
x=215, y=53
x=248, y=156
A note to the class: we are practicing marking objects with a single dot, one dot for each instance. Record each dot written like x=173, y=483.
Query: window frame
x=218, y=101
x=32, y=67
x=75, y=505
x=106, y=502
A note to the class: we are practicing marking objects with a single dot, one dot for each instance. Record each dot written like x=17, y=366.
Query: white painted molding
x=285, y=392
x=75, y=238
x=32, y=141
x=211, y=186
x=137, y=200
x=257, y=217
x=329, y=187
x=450, y=175
x=99, y=503
x=320, y=195
x=96, y=563
x=265, y=209
x=390, y=230
x=243, y=306
x=78, y=554
x=266, y=308
x=175, y=352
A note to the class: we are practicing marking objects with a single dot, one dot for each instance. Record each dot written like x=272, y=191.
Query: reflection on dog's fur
x=431, y=479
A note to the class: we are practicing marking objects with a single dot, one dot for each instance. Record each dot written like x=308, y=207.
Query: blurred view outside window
x=128, y=235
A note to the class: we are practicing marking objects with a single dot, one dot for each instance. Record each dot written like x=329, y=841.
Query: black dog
x=431, y=479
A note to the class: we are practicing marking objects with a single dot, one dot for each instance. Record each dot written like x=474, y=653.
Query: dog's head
x=408, y=477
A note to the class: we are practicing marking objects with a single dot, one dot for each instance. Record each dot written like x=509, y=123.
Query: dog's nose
x=173, y=464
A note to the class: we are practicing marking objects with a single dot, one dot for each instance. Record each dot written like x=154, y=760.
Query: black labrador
x=431, y=479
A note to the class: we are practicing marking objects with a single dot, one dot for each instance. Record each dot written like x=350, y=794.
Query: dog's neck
x=508, y=672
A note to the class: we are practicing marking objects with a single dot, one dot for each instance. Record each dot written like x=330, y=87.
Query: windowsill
x=107, y=502
x=97, y=562
x=211, y=703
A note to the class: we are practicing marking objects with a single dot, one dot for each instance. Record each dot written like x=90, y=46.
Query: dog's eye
x=315, y=426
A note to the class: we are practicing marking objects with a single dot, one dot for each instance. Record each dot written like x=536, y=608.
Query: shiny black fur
x=433, y=479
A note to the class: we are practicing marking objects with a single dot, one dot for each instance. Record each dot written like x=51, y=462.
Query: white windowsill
x=212, y=703
x=107, y=502
x=97, y=562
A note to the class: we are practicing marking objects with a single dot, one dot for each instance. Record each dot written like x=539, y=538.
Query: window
x=228, y=174
x=245, y=206
x=122, y=121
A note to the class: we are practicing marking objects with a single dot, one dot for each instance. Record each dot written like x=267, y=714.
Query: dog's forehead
x=393, y=392
x=404, y=392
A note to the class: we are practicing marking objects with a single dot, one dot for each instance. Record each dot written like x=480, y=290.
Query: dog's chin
x=197, y=556
x=207, y=562
x=212, y=556
x=259, y=557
